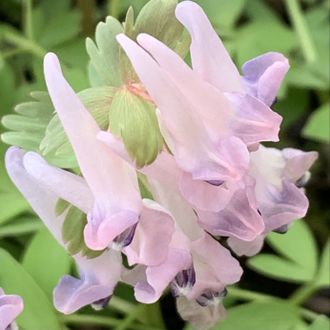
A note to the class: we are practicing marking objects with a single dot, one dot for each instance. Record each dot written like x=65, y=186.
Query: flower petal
x=239, y=218
x=214, y=267
x=152, y=236
x=66, y=185
x=159, y=277
x=246, y=248
x=254, y=121
x=210, y=59
x=112, y=181
x=263, y=75
x=98, y=278
x=10, y=307
x=201, y=318
x=297, y=162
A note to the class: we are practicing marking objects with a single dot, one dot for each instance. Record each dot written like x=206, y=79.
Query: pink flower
x=98, y=276
x=279, y=176
x=10, y=307
x=210, y=115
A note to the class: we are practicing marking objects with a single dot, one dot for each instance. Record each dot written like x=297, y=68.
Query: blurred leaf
x=272, y=315
x=322, y=278
x=11, y=204
x=20, y=226
x=298, y=245
x=7, y=88
x=318, y=125
x=222, y=13
x=276, y=267
x=134, y=120
x=38, y=312
x=300, y=256
x=44, y=250
x=257, y=37
x=28, y=126
x=321, y=323
x=292, y=106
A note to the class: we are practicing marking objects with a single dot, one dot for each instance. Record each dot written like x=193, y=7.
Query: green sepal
x=144, y=186
x=134, y=120
x=73, y=233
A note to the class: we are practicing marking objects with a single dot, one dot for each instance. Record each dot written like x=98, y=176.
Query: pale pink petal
x=159, y=277
x=254, y=121
x=297, y=163
x=10, y=307
x=263, y=75
x=211, y=104
x=98, y=278
x=102, y=228
x=204, y=195
x=111, y=180
x=246, y=248
x=280, y=207
x=66, y=185
x=240, y=218
x=209, y=56
x=201, y=318
x=152, y=236
x=41, y=199
x=214, y=266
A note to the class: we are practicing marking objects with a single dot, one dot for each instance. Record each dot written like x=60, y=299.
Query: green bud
x=133, y=118
x=73, y=233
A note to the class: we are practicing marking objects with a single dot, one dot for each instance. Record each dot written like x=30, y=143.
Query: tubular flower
x=280, y=177
x=10, y=307
x=210, y=116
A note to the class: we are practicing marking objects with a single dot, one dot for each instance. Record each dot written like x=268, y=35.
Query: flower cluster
x=214, y=178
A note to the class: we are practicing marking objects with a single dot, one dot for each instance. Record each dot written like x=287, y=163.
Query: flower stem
x=247, y=295
x=23, y=43
x=114, y=8
x=300, y=25
x=27, y=19
x=106, y=321
x=303, y=293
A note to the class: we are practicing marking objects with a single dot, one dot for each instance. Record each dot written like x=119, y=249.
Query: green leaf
x=276, y=267
x=44, y=250
x=299, y=238
x=73, y=233
x=318, y=126
x=321, y=323
x=295, y=266
x=272, y=315
x=20, y=226
x=28, y=126
x=38, y=312
x=134, y=120
x=322, y=278
x=104, y=54
x=11, y=205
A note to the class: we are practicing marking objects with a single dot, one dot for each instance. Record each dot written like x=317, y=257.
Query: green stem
x=23, y=43
x=303, y=293
x=121, y=305
x=85, y=319
x=27, y=19
x=255, y=296
x=114, y=8
x=247, y=295
x=300, y=25
x=130, y=318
